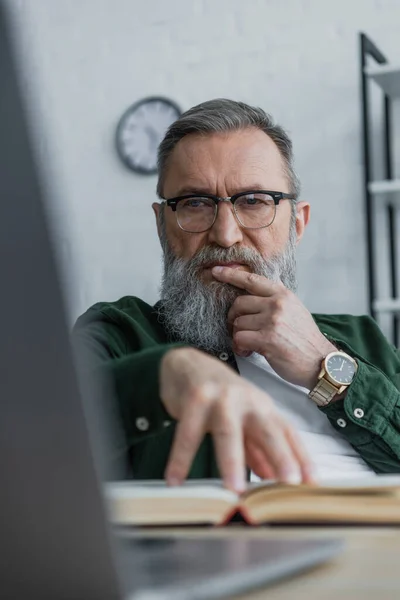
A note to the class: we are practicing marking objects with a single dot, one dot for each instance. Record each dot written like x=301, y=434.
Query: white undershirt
x=332, y=455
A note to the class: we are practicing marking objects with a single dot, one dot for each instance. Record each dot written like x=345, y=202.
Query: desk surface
x=367, y=569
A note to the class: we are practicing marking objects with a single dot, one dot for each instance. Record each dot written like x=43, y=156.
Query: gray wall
x=90, y=59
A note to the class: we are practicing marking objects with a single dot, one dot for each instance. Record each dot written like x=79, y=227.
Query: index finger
x=254, y=284
x=188, y=436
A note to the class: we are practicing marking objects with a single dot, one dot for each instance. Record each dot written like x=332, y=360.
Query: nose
x=226, y=231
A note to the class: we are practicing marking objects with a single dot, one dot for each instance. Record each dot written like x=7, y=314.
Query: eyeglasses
x=253, y=210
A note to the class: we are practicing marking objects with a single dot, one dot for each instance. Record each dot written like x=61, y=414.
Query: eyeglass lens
x=198, y=214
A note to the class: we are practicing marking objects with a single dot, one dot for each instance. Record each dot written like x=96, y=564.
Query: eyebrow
x=192, y=190
x=199, y=191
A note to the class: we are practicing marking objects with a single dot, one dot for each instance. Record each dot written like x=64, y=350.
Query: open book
x=361, y=501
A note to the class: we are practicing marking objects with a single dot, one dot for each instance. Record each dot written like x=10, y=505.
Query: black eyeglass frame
x=276, y=196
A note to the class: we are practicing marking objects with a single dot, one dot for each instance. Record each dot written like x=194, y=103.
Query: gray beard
x=195, y=313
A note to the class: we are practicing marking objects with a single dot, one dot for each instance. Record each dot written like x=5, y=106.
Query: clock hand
x=152, y=135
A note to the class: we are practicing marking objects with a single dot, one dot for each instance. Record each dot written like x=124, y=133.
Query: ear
x=302, y=218
x=156, y=209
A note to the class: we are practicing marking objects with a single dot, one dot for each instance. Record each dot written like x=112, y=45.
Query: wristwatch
x=337, y=372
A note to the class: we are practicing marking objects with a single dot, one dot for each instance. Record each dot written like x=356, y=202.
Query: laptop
x=56, y=540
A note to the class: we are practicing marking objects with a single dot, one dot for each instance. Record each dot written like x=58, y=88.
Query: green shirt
x=127, y=341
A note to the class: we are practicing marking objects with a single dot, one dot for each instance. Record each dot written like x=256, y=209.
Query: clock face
x=140, y=131
x=341, y=369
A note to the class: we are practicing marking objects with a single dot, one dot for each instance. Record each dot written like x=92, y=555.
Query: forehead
x=230, y=161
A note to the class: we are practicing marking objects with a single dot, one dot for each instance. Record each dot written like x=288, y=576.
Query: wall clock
x=140, y=131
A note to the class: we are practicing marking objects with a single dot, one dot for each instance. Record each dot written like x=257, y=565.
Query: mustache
x=213, y=254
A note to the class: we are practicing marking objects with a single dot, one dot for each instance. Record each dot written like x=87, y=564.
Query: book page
x=362, y=482
x=158, y=488
x=161, y=483
x=376, y=484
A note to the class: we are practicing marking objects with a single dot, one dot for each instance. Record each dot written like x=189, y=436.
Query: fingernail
x=236, y=484
x=217, y=269
x=173, y=481
x=293, y=478
x=309, y=476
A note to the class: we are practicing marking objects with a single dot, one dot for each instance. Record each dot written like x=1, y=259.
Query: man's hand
x=207, y=396
x=272, y=321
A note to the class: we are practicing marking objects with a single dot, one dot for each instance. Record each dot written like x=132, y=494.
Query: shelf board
x=387, y=77
x=388, y=305
x=388, y=186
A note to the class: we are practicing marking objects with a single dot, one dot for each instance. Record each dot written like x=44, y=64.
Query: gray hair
x=221, y=115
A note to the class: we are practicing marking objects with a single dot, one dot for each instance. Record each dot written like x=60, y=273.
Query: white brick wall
x=298, y=59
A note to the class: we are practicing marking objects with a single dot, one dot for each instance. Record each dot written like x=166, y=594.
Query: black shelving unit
x=388, y=78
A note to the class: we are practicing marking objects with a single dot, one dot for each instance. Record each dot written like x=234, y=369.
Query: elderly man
x=230, y=374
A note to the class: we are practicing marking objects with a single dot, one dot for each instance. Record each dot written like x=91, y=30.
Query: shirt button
x=167, y=423
x=142, y=424
x=341, y=422
x=224, y=356
x=359, y=413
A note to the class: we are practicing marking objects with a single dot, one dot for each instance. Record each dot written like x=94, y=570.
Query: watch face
x=140, y=131
x=340, y=368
